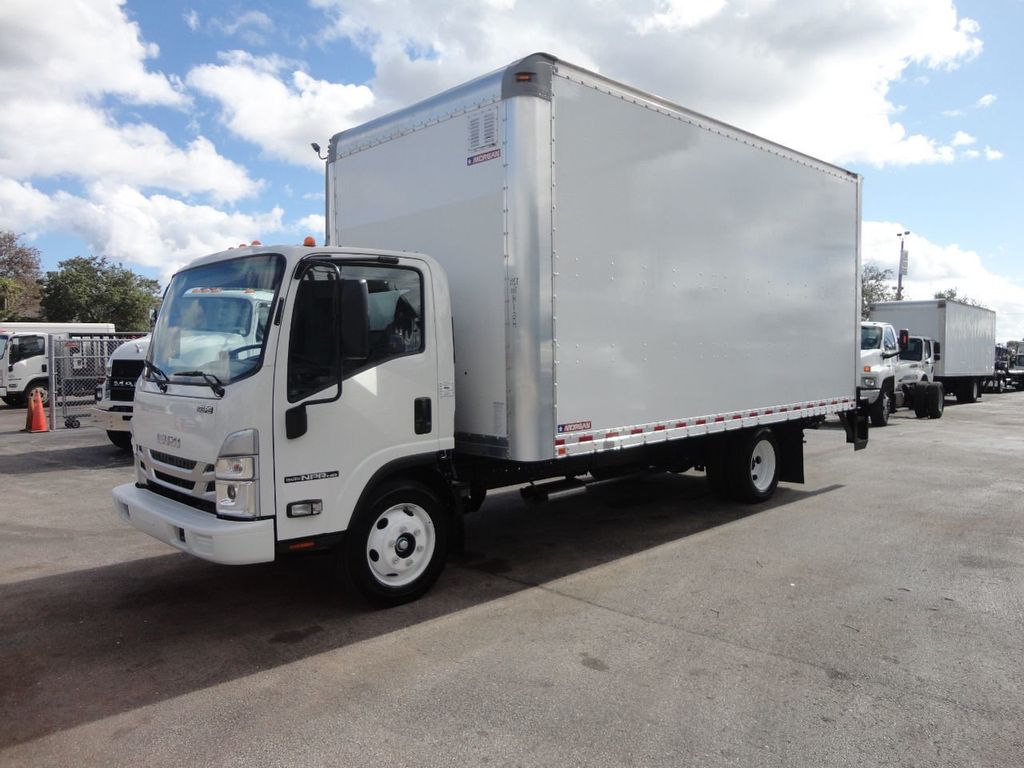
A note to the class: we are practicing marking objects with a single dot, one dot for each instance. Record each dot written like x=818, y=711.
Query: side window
x=395, y=304
x=314, y=343
x=889, y=340
x=927, y=349
x=24, y=347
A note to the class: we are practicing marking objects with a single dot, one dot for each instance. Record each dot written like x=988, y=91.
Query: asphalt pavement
x=871, y=617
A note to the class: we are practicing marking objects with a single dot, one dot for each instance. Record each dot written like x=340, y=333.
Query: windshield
x=913, y=350
x=3, y=345
x=870, y=337
x=213, y=318
x=1018, y=361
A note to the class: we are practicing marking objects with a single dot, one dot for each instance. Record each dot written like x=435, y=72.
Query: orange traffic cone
x=37, y=415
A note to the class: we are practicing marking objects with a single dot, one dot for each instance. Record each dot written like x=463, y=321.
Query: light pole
x=902, y=270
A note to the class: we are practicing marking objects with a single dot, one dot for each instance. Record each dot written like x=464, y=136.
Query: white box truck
x=614, y=284
x=964, y=339
x=23, y=354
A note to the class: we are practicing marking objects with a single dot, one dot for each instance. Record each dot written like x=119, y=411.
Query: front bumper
x=190, y=530
x=113, y=421
x=870, y=395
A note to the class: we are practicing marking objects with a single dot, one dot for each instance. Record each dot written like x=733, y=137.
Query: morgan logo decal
x=576, y=426
x=310, y=476
x=483, y=157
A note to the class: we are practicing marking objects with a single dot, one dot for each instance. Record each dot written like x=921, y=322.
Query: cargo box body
x=622, y=270
x=966, y=334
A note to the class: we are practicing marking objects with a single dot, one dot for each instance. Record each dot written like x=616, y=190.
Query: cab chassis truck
x=614, y=284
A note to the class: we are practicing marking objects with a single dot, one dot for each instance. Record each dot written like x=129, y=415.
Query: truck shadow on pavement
x=89, y=456
x=86, y=645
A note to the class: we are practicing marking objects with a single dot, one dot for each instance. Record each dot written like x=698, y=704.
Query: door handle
x=422, y=422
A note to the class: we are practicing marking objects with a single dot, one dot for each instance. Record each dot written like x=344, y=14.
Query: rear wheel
x=968, y=392
x=122, y=440
x=12, y=401
x=396, y=546
x=754, y=465
x=922, y=393
x=936, y=397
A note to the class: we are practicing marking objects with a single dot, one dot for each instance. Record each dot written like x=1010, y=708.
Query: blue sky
x=153, y=132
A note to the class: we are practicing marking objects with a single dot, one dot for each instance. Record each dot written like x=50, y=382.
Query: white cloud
x=121, y=223
x=953, y=113
x=811, y=75
x=935, y=267
x=191, y=19
x=250, y=26
x=986, y=101
x=993, y=154
x=277, y=106
x=972, y=154
x=962, y=139
x=314, y=224
x=83, y=61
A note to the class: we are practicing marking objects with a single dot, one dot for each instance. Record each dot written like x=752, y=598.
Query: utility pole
x=904, y=257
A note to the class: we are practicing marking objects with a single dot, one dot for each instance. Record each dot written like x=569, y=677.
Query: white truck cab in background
x=23, y=356
x=114, y=396
x=896, y=369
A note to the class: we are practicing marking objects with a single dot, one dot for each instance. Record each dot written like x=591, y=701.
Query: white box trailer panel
x=620, y=268
x=967, y=334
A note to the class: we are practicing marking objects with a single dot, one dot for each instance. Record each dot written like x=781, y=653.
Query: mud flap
x=791, y=454
x=856, y=425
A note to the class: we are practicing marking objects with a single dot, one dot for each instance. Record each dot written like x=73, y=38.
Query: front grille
x=123, y=375
x=187, y=480
x=181, y=482
x=174, y=461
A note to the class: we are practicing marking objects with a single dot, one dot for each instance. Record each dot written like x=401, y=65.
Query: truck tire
x=396, y=544
x=922, y=396
x=881, y=408
x=936, y=400
x=42, y=388
x=12, y=401
x=122, y=440
x=967, y=392
x=754, y=465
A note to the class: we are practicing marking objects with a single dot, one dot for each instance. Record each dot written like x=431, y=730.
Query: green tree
x=874, y=286
x=94, y=290
x=19, y=278
x=950, y=294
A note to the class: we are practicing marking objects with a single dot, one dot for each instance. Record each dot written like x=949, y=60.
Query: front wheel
x=397, y=544
x=41, y=388
x=122, y=440
x=754, y=461
x=880, y=409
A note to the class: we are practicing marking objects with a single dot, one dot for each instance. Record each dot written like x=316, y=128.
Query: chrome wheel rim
x=400, y=545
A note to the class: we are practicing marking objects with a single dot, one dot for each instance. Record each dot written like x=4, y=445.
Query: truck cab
x=115, y=395
x=23, y=357
x=1015, y=371
x=882, y=375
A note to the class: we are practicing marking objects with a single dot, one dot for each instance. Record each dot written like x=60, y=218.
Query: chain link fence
x=77, y=369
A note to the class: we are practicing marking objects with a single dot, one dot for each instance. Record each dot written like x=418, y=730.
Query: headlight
x=236, y=476
x=236, y=468
x=869, y=381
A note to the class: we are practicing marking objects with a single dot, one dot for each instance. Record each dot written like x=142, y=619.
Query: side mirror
x=295, y=424
x=355, y=320
x=904, y=339
x=937, y=350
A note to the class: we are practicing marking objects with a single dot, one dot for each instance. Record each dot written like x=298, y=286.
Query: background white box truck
x=614, y=284
x=24, y=348
x=964, y=336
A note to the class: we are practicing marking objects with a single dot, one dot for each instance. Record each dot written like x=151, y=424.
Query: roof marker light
x=309, y=242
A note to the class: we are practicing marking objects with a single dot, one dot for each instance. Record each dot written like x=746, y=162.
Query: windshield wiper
x=162, y=381
x=215, y=384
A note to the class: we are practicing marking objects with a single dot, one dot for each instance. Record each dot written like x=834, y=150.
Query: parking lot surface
x=872, y=617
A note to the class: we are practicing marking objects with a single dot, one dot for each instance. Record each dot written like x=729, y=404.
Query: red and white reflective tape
x=594, y=440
